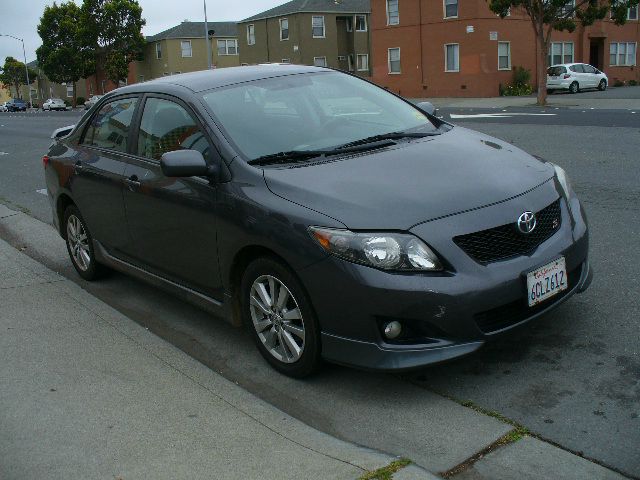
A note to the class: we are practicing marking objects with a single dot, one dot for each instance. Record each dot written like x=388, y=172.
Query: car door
x=172, y=221
x=97, y=180
x=590, y=75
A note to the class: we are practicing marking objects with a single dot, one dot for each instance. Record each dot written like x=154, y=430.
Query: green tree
x=113, y=29
x=13, y=74
x=63, y=56
x=549, y=15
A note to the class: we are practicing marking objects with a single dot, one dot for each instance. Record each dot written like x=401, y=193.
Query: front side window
x=109, y=128
x=158, y=50
x=450, y=8
x=317, y=27
x=452, y=57
x=167, y=127
x=251, y=35
x=228, y=47
x=588, y=69
x=393, y=14
x=320, y=61
x=284, y=29
x=363, y=62
x=393, y=55
x=504, y=56
x=361, y=23
x=185, y=47
x=273, y=115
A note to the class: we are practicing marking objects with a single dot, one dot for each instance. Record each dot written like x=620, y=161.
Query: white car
x=575, y=77
x=92, y=101
x=54, y=104
x=3, y=107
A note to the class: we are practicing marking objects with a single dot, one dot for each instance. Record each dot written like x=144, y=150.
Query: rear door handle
x=132, y=182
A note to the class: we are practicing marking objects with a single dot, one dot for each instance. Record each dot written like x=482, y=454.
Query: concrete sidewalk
x=87, y=393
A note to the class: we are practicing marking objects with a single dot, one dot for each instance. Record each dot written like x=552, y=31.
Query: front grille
x=515, y=312
x=507, y=241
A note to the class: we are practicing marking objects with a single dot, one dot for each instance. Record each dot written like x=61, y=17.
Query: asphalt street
x=573, y=377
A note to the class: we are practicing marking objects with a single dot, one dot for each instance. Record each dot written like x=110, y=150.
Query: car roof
x=220, y=77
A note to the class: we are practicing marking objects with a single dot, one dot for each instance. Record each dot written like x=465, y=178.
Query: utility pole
x=206, y=36
x=26, y=69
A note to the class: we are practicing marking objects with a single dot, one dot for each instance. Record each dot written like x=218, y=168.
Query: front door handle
x=132, y=182
x=78, y=166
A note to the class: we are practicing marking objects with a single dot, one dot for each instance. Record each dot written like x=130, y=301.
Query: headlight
x=562, y=177
x=386, y=251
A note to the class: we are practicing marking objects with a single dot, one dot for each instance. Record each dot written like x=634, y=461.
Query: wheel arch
x=62, y=203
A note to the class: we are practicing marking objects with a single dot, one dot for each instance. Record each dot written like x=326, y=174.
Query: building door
x=596, y=53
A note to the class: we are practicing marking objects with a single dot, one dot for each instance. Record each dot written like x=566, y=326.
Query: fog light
x=392, y=330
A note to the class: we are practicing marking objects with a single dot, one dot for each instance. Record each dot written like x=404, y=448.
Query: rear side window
x=166, y=127
x=555, y=71
x=109, y=128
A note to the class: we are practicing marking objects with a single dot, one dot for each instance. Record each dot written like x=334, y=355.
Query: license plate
x=546, y=281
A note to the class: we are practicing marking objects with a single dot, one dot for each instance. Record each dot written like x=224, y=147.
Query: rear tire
x=602, y=86
x=284, y=328
x=574, y=87
x=80, y=245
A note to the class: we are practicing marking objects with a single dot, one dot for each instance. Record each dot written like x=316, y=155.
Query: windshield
x=309, y=112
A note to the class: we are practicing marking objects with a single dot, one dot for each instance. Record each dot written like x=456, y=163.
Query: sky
x=20, y=18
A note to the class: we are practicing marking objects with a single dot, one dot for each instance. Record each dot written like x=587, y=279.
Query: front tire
x=80, y=245
x=574, y=87
x=602, y=86
x=280, y=319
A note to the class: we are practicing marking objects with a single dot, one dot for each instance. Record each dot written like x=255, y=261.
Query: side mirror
x=184, y=163
x=62, y=132
x=427, y=107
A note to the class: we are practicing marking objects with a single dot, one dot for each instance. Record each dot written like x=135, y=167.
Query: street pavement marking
x=502, y=115
x=42, y=191
x=4, y=153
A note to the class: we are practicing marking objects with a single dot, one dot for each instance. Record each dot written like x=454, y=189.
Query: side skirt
x=219, y=309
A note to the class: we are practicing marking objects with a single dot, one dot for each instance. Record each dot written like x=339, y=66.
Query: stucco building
x=310, y=32
x=459, y=48
x=42, y=88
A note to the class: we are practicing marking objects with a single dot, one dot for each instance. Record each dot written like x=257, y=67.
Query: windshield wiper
x=390, y=136
x=299, y=155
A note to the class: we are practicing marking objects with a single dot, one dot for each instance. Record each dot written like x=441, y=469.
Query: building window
x=140, y=78
x=452, y=57
x=185, y=47
x=632, y=13
x=361, y=23
x=393, y=15
x=317, y=27
x=251, y=34
x=284, y=29
x=320, y=61
x=363, y=62
x=228, y=47
x=567, y=10
x=158, y=50
x=393, y=56
x=450, y=8
x=561, y=52
x=622, y=54
x=34, y=94
x=70, y=90
x=349, y=22
x=504, y=56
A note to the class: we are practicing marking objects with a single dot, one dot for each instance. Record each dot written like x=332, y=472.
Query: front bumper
x=449, y=314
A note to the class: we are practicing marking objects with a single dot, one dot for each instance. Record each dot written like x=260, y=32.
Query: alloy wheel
x=78, y=241
x=277, y=319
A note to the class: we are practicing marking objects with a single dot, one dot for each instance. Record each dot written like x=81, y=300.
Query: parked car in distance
x=3, y=107
x=16, y=105
x=54, y=104
x=377, y=236
x=92, y=101
x=575, y=77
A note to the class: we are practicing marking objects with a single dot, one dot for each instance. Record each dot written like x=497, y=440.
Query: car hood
x=398, y=187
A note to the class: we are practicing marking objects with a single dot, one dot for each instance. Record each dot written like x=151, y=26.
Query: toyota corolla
x=334, y=219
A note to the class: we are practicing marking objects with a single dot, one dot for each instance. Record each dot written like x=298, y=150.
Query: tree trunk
x=541, y=75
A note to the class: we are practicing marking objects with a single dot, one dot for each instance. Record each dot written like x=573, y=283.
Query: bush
x=520, y=85
x=618, y=83
x=633, y=83
x=80, y=100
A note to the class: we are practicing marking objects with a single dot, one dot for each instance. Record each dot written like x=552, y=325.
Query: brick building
x=459, y=48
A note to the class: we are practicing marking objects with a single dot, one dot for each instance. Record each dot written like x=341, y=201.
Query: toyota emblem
x=527, y=222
